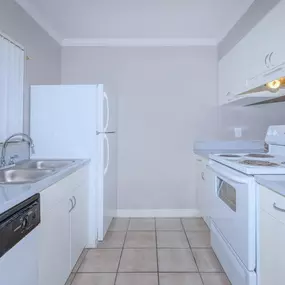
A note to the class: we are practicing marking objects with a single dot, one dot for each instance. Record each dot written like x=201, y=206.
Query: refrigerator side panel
x=63, y=125
x=62, y=118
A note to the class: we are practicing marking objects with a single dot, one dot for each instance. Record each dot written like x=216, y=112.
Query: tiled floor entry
x=151, y=252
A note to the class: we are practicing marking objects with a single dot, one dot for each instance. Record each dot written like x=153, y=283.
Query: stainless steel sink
x=45, y=164
x=20, y=176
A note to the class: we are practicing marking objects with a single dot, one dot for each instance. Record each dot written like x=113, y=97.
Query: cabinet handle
x=270, y=57
x=266, y=63
x=200, y=160
x=278, y=209
x=203, y=175
x=72, y=205
x=75, y=202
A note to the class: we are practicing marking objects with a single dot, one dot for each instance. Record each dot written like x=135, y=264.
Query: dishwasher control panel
x=18, y=222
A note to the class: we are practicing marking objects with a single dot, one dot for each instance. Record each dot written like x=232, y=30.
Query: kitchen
x=161, y=75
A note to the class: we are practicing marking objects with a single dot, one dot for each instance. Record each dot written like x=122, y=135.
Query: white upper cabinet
x=231, y=76
x=266, y=44
x=271, y=32
x=261, y=50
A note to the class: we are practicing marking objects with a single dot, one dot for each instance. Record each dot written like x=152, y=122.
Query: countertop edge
x=39, y=186
x=275, y=186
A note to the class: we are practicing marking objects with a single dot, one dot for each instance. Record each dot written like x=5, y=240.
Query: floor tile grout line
x=122, y=250
x=148, y=272
x=156, y=243
x=181, y=220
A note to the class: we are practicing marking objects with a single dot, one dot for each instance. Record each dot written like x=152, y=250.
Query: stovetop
x=252, y=163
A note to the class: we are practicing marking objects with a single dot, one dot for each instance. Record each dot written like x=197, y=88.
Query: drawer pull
x=278, y=209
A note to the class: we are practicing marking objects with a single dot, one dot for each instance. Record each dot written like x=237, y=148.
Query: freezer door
x=108, y=183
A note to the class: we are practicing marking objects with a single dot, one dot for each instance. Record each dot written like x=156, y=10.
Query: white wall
x=45, y=53
x=164, y=97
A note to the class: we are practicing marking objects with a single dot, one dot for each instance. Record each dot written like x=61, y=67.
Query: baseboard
x=92, y=245
x=158, y=213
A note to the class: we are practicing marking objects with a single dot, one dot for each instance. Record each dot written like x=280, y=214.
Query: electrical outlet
x=238, y=132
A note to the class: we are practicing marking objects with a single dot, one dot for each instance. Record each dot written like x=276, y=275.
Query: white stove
x=252, y=164
x=272, y=162
x=233, y=205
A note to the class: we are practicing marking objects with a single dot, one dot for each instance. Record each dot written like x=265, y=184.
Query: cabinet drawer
x=268, y=199
x=62, y=188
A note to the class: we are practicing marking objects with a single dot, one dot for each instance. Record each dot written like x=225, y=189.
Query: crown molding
x=34, y=13
x=138, y=42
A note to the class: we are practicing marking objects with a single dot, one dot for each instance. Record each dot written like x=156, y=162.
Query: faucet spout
x=25, y=137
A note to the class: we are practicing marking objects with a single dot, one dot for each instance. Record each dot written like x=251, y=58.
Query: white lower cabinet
x=63, y=228
x=204, y=186
x=54, y=248
x=78, y=225
x=271, y=253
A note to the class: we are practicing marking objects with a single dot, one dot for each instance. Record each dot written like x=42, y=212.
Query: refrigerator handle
x=108, y=111
x=108, y=154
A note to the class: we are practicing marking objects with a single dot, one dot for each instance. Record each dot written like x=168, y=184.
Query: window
x=12, y=60
x=227, y=194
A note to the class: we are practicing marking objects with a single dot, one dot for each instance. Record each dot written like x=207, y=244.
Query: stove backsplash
x=254, y=121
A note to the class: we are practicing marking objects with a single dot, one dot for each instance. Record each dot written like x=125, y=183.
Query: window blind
x=12, y=60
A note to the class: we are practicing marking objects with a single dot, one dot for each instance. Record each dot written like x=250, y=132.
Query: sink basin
x=20, y=176
x=45, y=164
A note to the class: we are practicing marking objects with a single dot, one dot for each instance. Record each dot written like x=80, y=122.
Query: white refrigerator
x=79, y=121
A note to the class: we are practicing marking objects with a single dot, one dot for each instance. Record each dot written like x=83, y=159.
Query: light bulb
x=274, y=85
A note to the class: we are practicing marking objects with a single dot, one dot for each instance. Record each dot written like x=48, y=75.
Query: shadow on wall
x=253, y=120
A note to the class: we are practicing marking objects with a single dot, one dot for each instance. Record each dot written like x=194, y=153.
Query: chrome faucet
x=25, y=137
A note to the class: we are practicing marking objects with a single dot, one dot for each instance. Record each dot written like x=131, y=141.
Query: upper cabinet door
x=232, y=78
x=261, y=50
x=12, y=60
x=265, y=43
x=275, y=23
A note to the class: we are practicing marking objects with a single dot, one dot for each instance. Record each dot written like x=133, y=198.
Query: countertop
x=275, y=183
x=11, y=195
x=205, y=148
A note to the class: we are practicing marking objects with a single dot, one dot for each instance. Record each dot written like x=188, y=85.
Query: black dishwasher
x=18, y=222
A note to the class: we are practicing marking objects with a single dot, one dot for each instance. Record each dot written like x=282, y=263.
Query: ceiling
x=97, y=19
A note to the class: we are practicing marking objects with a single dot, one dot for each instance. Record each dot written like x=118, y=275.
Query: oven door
x=234, y=209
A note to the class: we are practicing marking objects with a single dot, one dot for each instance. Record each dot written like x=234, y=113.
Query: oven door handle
x=221, y=172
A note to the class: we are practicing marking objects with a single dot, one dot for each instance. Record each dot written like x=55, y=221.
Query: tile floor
x=151, y=252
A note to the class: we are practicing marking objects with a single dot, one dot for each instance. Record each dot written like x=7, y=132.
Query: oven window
x=227, y=194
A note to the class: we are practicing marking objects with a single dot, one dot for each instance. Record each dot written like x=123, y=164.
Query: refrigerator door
x=107, y=182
